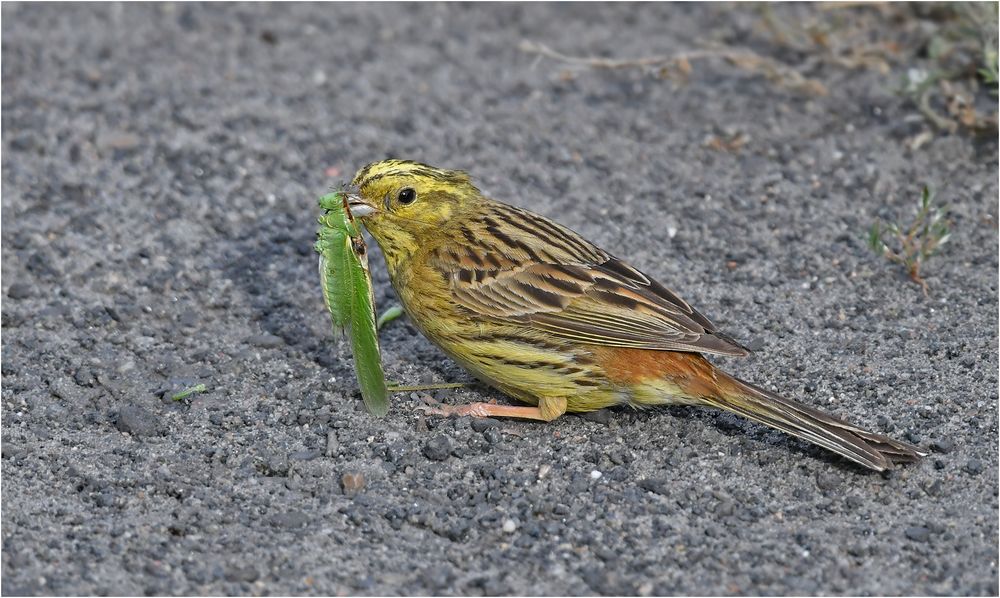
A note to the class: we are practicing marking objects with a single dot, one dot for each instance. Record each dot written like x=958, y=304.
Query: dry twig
x=680, y=64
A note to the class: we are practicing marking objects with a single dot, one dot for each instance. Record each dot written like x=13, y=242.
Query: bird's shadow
x=273, y=267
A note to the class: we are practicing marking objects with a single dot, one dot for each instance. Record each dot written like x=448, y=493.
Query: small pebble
x=509, y=526
x=544, y=470
x=483, y=424
x=974, y=467
x=352, y=482
x=943, y=445
x=437, y=448
x=19, y=290
x=137, y=421
x=918, y=533
x=595, y=475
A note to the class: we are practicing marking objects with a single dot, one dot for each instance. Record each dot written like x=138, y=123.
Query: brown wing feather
x=521, y=266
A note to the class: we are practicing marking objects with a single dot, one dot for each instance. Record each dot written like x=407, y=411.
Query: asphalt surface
x=161, y=165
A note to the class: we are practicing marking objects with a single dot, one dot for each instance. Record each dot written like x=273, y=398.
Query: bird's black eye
x=406, y=196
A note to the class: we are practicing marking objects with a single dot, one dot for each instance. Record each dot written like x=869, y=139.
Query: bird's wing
x=520, y=266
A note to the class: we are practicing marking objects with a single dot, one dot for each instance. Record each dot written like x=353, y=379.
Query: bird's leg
x=547, y=410
x=482, y=410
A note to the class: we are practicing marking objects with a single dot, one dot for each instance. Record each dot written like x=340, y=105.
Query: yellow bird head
x=400, y=202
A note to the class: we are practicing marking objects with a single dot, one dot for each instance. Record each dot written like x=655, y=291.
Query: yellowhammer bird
x=540, y=313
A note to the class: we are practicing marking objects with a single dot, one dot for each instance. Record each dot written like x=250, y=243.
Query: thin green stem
x=399, y=388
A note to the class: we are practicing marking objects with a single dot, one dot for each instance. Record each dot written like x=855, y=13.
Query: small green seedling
x=912, y=246
x=347, y=291
x=187, y=392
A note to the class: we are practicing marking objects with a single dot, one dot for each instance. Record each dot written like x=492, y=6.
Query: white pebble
x=509, y=526
x=595, y=475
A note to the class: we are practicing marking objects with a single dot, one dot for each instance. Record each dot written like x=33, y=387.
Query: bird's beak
x=359, y=207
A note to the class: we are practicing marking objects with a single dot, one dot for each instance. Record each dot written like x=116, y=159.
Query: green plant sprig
x=911, y=246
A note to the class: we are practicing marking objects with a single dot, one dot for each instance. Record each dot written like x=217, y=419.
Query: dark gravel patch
x=161, y=164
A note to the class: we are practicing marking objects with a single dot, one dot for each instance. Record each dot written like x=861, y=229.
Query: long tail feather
x=875, y=451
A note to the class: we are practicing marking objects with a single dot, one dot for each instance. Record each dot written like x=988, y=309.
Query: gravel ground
x=161, y=165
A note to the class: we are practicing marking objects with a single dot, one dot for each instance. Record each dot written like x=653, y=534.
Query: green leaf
x=925, y=199
x=875, y=238
x=990, y=67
